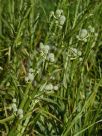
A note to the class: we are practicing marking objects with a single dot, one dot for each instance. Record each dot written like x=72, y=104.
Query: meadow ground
x=50, y=68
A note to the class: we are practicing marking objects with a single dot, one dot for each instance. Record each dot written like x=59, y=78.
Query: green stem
x=7, y=119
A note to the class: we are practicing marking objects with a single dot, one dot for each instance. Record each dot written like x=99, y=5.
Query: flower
x=20, y=116
x=44, y=48
x=14, y=107
x=1, y=68
x=76, y=52
x=83, y=33
x=62, y=20
x=20, y=113
x=80, y=59
x=30, y=77
x=59, y=12
x=52, y=78
x=96, y=35
x=51, y=57
x=14, y=100
x=55, y=88
x=26, y=79
x=41, y=45
x=91, y=29
x=31, y=70
x=49, y=87
x=51, y=13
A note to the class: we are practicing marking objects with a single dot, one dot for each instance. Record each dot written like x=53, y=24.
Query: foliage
x=50, y=68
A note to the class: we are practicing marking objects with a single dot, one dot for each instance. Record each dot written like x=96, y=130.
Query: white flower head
x=83, y=34
x=96, y=35
x=59, y=12
x=62, y=20
x=51, y=13
x=79, y=53
x=55, y=88
x=20, y=111
x=56, y=22
x=41, y=45
x=49, y=87
x=29, y=77
x=91, y=29
x=26, y=79
x=80, y=59
x=46, y=49
x=14, y=100
x=51, y=57
x=76, y=52
x=31, y=70
x=20, y=116
x=14, y=107
x=52, y=77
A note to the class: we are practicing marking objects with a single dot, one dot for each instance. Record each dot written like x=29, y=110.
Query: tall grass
x=50, y=68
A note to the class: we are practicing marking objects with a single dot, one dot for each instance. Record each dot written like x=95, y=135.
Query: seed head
x=62, y=20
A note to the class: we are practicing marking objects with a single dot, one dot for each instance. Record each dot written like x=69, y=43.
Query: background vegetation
x=62, y=97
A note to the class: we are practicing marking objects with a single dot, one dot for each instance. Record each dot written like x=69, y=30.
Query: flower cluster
x=14, y=106
x=51, y=57
x=50, y=87
x=59, y=16
x=15, y=110
x=75, y=53
x=85, y=33
x=20, y=113
x=30, y=76
x=59, y=12
x=91, y=29
x=45, y=49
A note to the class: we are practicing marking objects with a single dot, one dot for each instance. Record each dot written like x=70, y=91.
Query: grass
x=50, y=68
